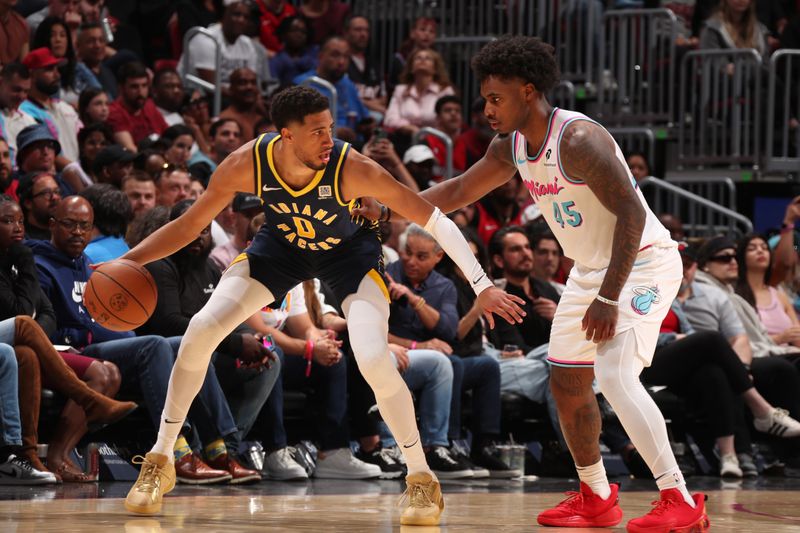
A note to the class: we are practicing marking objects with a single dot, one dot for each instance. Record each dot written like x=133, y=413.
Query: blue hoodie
x=63, y=279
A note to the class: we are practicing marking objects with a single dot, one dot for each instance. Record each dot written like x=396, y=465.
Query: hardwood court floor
x=358, y=507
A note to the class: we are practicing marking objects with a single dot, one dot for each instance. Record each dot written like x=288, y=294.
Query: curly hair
x=440, y=75
x=295, y=103
x=112, y=210
x=527, y=58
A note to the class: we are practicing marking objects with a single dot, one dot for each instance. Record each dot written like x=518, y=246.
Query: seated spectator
x=703, y=368
x=140, y=189
x=638, y=165
x=93, y=106
x=326, y=17
x=298, y=54
x=15, y=83
x=547, y=257
x=36, y=152
x=15, y=468
x=333, y=62
x=471, y=145
x=420, y=162
x=424, y=315
x=236, y=49
x=497, y=209
x=226, y=137
x=144, y=362
x=423, y=81
x=273, y=12
x=421, y=36
x=196, y=188
x=92, y=139
x=133, y=116
x=112, y=165
x=776, y=312
x=168, y=95
x=382, y=150
x=177, y=141
x=296, y=335
x=245, y=208
x=91, y=71
x=196, y=114
x=14, y=45
x=53, y=34
x=449, y=120
x=65, y=9
x=173, y=186
x=112, y=214
x=39, y=196
x=244, y=107
x=246, y=368
x=362, y=71
x=674, y=224
x=5, y=165
x=734, y=25
x=59, y=117
x=146, y=223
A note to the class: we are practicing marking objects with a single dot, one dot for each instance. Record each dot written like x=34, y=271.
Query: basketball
x=120, y=295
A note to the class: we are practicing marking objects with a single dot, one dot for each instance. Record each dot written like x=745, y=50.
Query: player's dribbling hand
x=369, y=209
x=499, y=302
x=600, y=322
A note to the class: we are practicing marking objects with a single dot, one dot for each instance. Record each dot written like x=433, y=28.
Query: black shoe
x=487, y=457
x=444, y=465
x=390, y=468
x=460, y=454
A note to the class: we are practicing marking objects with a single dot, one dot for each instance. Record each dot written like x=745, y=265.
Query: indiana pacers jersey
x=582, y=225
x=309, y=233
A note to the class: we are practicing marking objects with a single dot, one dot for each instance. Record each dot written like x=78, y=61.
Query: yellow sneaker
x=425, y=501
x=156, y=478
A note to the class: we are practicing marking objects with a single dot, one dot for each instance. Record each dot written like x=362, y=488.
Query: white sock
x=595, y=476
x=673, y=479
x=617, y=370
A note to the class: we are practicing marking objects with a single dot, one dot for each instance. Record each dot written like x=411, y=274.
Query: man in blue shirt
x=424, y=316
x=334, y=60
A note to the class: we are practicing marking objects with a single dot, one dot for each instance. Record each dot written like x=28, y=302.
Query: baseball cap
x=244, y=201
x=31, y=134
x=418, y=154
x=112, y=154
x=41, y=58
x=713, y=245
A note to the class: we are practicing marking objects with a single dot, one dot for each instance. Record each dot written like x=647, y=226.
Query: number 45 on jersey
x=565, y=214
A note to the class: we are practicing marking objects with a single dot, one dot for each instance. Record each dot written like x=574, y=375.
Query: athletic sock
x=595, y=476
x=673, y=479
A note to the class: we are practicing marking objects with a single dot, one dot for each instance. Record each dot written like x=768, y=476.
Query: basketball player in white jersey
x=627, y=272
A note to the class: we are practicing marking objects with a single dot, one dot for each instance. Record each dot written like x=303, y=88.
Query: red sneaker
x=584, y=509
x=672, y=513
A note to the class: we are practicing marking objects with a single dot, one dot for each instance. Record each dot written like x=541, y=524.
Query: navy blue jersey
x=313, y=219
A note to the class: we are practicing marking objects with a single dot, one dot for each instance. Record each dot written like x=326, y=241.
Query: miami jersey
x=582, y=225
x=312, y=219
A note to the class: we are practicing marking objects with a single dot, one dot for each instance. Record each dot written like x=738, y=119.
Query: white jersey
x=582, y=225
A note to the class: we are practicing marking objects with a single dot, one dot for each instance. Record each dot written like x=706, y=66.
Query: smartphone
x=379, y=134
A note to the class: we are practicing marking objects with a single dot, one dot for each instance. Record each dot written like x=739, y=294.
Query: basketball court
x=767, y=505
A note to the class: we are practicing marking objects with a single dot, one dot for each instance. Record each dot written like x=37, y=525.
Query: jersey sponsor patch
x=324, y=191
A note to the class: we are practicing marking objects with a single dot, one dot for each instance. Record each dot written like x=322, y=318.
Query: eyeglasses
x=72, y=225
x=727, y=258
x=48, y=193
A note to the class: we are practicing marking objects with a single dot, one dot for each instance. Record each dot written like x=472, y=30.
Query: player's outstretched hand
x=499, y=302
x=370, y=209
x=600, y=322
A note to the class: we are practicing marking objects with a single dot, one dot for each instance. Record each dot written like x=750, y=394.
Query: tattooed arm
x=587, y=153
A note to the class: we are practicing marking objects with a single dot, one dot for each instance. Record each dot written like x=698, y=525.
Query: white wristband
x=606, y=301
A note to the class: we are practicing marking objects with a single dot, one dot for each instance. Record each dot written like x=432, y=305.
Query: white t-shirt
x=240, y=54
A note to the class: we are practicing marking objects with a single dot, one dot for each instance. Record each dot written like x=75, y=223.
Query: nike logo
x=412, y=444
x=12, y=473
x=476, y=280
x=267, y=189
x=171, y=421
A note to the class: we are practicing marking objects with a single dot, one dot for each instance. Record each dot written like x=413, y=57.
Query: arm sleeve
x=453, y=243
x=447, y=327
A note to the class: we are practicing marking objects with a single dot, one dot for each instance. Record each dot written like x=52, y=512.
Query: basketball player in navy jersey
x=627, y=272
x=309, y=182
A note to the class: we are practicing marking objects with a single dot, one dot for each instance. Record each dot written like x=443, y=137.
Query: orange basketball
x=120, y=295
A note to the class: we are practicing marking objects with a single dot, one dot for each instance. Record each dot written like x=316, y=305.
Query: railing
x=636, y=140
x=783, y=113
x=637, y=58
x=333, y=100
x=190, y=78
x=701, y=217
x=563, y=95
x=448, y=145
x=720, y=190
x=720, y=110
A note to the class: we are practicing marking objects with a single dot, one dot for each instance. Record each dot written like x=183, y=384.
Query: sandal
x=71, y=474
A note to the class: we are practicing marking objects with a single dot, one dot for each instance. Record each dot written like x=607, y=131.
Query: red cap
x=40, y=58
